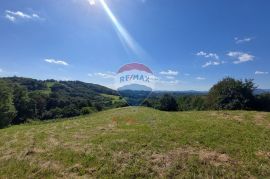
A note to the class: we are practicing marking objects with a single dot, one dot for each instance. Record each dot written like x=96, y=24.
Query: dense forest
x=23, y=99
x=26, y=99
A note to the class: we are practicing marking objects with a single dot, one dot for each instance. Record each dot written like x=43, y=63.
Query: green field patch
x=137, y=142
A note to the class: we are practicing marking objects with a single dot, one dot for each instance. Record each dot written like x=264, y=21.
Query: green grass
x=48, y=90
x=112, y=97
x=140, y=143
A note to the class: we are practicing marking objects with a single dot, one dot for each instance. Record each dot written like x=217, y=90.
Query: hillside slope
x=140, y=142
x=49, y=99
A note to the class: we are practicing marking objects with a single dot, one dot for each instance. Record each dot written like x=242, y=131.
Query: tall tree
x=21, y=103
x=231, y=94
x=7, y=109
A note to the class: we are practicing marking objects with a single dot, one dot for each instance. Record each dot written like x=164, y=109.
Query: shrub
x=168, y=103
x=263, y=102
x=87, y=110
x=231, y=94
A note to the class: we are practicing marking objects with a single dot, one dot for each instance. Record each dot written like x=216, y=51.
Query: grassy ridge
x=140, y=142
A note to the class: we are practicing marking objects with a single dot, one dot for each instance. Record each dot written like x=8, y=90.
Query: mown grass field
x=140, y=143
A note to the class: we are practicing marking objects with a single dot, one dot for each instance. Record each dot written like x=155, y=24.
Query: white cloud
x=90, y=74
x=14, y=15
x=186, y=74
x=244, y=40
x=105, y=75
x=173, y=82
x=35, y=16
x=170, y=82
x=92, y=2
x=241, y=57
x=169, y=73
x=212, y=63
x=1, y=70
x=154, y=78
x=261, y=73
x=200, y=78
x=170, y=77
x=208, y=55
x=214, y=56
x=10, y=18
x=58, y=62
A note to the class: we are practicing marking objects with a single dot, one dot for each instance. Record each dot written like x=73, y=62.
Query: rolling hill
x=48, y=99
x=137, y=142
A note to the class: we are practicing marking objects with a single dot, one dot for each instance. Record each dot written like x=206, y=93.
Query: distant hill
x=179, y=93
x=47, y=99
x=34, y=85
x=135, y=87
x=261, y=91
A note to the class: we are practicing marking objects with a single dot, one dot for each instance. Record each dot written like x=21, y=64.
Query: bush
x=53, y=113
x=231, y=94
x=168, y=103
x=87, y=110
x=70, y=111
x=188, y=103
x=120, y=104
x=98, y=106
x=263, y=102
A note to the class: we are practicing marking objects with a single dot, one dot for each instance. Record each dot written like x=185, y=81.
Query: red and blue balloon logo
x=135, y=83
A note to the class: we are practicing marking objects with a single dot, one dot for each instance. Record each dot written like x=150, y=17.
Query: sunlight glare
x=125, y=37
x=92, y=2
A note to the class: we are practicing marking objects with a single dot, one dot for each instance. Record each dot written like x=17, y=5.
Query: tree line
x=23, y=99
x=227, y=94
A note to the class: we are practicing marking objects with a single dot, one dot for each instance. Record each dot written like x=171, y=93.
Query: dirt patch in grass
x=181, y=157
x=263, y=154
x=161, y=163
x=52, y=141
x=214, y=158
x=261, y=119
x=227, y=116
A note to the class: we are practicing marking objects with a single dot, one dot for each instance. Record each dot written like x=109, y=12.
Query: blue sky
x=188, y=44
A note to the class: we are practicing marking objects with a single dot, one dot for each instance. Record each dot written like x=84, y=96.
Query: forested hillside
x=36, y=99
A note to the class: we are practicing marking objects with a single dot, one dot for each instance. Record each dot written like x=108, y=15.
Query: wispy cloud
x=244, y=40
x=169, y=73
x=168, y=82
x=92, y=2
x=170, y=77
x=58, y=62
x=212, y=63
x=215, y=59
x=1, y=70
x=241, y=57
x=208, y=55
x=261, y=73
x=200, y=78
x=10, y=18
x=106, y=75
x=15, y=15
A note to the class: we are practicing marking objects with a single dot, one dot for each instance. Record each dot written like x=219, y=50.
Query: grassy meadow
x=137, y=142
